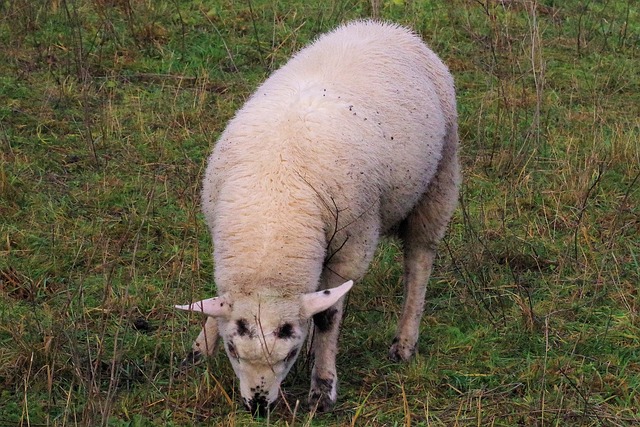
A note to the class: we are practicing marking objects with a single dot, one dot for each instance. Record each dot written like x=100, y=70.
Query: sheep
x=355, y=138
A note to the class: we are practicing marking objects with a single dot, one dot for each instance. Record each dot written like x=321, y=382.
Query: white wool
x=350, y=122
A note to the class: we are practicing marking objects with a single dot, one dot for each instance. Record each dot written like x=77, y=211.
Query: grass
x=108, y=109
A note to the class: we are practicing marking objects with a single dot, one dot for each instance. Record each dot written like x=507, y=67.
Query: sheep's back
x=354, y=124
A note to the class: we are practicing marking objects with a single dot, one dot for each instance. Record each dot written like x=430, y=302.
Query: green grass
x=108, y=109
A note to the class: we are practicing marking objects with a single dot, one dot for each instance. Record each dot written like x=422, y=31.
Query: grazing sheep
x=354, y=138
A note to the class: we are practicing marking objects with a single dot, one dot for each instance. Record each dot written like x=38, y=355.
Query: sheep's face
x=262, y=351
x=263, y=336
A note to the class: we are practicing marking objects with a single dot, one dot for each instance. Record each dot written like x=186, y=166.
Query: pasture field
x=108, y=109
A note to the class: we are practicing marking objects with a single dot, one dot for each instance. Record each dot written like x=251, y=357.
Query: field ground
x=108, y=109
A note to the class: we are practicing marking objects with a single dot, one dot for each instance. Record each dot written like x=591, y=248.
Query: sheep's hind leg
x=420, y=233
x=417, y=264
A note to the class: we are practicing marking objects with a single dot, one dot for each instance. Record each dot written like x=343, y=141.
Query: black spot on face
x=327, y=292
x=325, y=319
x=243, y=327
x=285, y=331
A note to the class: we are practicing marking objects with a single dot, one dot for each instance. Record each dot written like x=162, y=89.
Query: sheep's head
x=263, y=337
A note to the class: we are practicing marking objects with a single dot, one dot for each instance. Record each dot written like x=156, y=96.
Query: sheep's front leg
x=205, y=344
x=324, y=377
x=353, y=263
x=350, y=256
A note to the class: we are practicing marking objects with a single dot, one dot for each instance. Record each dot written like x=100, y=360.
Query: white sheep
x=354, y=138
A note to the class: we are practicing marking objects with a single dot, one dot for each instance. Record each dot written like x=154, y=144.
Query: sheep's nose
x=258, y=406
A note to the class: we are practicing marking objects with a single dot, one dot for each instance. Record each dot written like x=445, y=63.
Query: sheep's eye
x=291, y=355
x=232, y=351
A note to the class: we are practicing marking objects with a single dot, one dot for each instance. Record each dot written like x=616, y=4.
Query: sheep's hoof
x=320, y=395
x=320, y=402
x=401, y=352
x=192, y=358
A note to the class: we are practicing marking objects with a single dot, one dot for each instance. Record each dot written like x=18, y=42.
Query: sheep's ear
x=213, y=307
x=315, y=302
